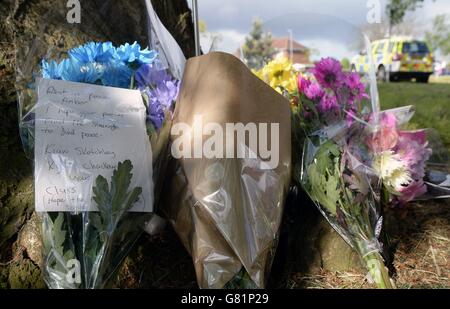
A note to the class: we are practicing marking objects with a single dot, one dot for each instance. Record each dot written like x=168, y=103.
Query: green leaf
x=113, y=203
x=59, y=234
x=120, y=182
x=323, y=181
x=101, y=194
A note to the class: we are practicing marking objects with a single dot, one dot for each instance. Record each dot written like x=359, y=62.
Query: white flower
x=392, y=170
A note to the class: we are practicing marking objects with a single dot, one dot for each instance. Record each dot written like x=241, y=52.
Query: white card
x=82, y=131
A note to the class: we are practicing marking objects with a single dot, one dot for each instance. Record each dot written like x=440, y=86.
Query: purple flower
x=303, y=83
x=151, y=74
x=328, y=72
x=160, y=87
x=155, y=113
x=161, y=99
x=356, y=89
x=327, y=103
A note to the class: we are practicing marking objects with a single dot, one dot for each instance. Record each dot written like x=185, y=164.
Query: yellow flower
x=280, y=75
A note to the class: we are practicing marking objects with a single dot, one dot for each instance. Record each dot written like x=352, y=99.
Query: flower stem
x=378, y=271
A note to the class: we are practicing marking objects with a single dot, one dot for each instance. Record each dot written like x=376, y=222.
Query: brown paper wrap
x=227, y=212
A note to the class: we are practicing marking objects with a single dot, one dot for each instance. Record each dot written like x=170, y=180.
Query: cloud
x=228, y=41
x=333, y=24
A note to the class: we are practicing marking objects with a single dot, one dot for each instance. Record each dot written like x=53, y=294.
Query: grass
x=432, y=103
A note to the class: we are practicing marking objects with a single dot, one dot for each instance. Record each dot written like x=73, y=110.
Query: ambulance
x=397, y=58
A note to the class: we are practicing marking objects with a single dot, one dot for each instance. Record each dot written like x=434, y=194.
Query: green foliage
x=439, y=37
x=113, y=202
x=242, y=280
x=323, y=177
x=258, y=49
x=95, y=246
x=397, y=9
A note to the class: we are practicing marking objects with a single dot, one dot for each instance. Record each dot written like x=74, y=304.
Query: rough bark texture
x=307, y=242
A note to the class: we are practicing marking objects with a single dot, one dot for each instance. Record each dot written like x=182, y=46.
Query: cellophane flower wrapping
x=96, y=242
x=338, y=164
x=332, y=126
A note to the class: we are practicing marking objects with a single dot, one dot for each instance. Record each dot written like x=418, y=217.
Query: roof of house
x=283, y=44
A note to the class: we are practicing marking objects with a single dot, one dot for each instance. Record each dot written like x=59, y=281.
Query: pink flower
x=328, y=72
x=386, y=137
x=311, y=90
x=412, y=148
x=314, y=92
x=412, y=191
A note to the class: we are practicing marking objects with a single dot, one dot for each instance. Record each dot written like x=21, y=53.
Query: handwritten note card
x=82, y=131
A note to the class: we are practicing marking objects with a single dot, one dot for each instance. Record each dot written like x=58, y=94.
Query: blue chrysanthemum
x=93, y=52
x=51, y=70
x=116, y=74
x=134, y=53
x=82, y=73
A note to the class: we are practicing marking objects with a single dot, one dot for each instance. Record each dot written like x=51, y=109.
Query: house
x=282, y=46
x=300, y=53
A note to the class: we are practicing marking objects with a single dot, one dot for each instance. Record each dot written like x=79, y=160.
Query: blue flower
x=82, y=73
x=117, y=74
x=51, y=70
x=93, y=52
x=134, y=53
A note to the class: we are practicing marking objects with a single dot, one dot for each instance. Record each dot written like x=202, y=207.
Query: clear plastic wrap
x=333, y=120
x=95, y=118
x=227, y=210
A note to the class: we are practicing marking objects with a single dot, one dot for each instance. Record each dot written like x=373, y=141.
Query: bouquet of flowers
x=100, y=240
x=84, y=245
x=329, y=119
x=227, y=207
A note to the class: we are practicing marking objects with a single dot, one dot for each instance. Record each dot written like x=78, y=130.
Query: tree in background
x=397, y=9
x=345, y=62
x=258, y=49
x=439, y=37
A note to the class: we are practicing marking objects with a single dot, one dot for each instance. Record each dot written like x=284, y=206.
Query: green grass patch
x=432, y=103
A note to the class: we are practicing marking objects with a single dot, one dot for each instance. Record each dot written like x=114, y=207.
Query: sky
x=330, y=27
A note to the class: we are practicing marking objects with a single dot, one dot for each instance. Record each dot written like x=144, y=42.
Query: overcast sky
x=329, y=26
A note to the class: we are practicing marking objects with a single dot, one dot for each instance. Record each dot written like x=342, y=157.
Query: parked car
x=397, y=58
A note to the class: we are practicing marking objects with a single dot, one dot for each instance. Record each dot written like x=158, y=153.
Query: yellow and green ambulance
x=397, y=58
